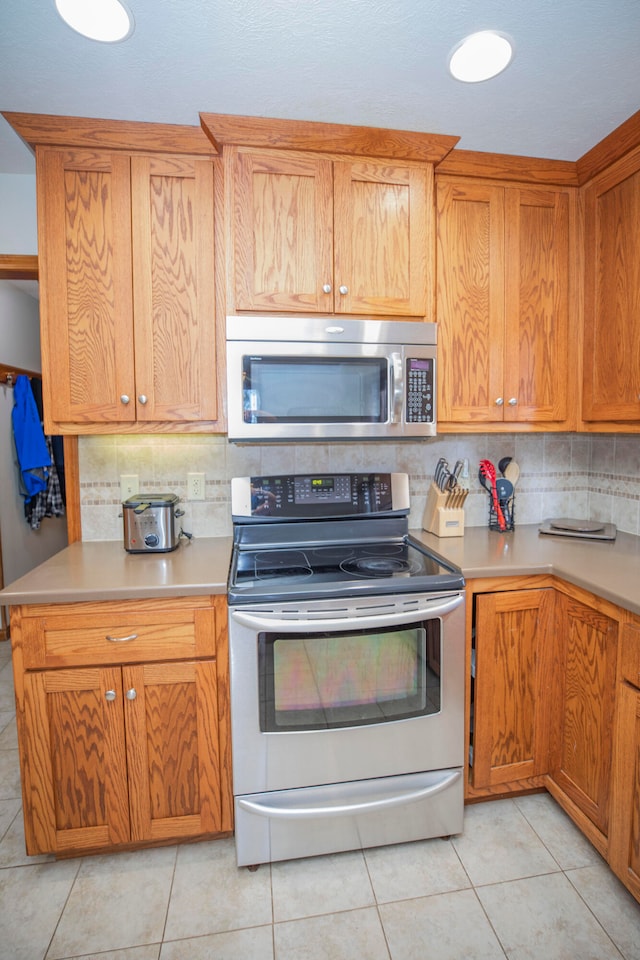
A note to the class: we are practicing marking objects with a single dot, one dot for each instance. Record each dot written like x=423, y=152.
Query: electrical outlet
x=195, y=486
x=128, y=485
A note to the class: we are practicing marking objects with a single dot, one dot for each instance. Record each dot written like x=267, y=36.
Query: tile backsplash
x=577, y=475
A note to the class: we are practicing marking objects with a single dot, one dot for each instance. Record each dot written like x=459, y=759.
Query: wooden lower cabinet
x=624, y=834
x=583, y=706
x=513, y=668
x=123, y=753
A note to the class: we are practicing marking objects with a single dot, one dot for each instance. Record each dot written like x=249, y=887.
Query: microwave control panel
x=419, y=391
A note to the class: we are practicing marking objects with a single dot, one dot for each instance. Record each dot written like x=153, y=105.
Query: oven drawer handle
x=275, y=808
x=266, y=621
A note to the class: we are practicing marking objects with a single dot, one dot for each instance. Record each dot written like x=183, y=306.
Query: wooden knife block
x=438, y=518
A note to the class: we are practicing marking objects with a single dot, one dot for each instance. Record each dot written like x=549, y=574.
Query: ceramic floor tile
x=6, y=716
x=31, y=901
x=256, y=943
x=12, y=845
x=545, y=917
x=305, y=888
x=7, y=697
x=498, y=844
x=150, y=951
x=419, y=869
x=559, y=834
x=212, y=895
x=8, y=811
x=9, y=735
x=337, y=936
x=449, y=926
x=9, y=775
x=612, y=904
x=117, y=901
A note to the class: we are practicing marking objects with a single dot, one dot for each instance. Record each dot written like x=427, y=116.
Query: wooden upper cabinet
x=314, y=234
x=611, y=364
x=126, y=271
x=503, y=292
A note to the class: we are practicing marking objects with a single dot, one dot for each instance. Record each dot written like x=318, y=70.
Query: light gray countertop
x=103, y=570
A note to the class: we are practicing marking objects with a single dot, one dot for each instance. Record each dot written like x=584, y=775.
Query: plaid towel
x=49, y=502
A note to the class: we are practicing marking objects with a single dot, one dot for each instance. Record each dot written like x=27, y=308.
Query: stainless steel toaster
x=149, y=523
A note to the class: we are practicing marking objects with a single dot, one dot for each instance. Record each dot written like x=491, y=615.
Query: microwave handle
x=397, y=388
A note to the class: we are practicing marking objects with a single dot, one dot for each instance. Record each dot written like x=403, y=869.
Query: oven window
x=315, y=390
x=318, y=681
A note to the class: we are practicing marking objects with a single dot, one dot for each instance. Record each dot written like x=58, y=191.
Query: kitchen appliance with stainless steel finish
x=347, y=669
x=326, y=378
x=149, y=523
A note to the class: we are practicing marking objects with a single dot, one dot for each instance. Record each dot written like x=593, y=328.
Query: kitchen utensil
x=489, y=472
x=503, y=464
x=504, y=490
x=512, y=472
x=149, y=523
x=443, y=475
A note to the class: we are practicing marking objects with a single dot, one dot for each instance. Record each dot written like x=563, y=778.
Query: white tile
x=31, y=901
x=418, y=869
x=498, y=844
x=8, y=811
x=10, y=788
x=9, y=735
x=148, y=952
x=212, y=895
x=117, y=901
x=612, y=904
x=544, y=917
x=354, y=935
x=450, y=926
x=304, y=888
x=566, y=844
x=13, y=851
x=255, y=943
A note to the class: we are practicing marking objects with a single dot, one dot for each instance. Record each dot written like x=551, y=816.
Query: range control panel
x=318, y=496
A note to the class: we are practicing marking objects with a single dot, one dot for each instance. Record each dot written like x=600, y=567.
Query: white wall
x=18, y=222
x=22, y=548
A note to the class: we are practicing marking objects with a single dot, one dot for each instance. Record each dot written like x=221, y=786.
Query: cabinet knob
x=512, y=401
x=142, y=398
x=326, y=288
x=343, y=289
x=499, y=401
x=124, y=398
x=131, y=694
x=110, y=695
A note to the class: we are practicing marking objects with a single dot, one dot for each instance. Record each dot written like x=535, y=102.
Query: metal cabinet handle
x=124, y=398
x=512, y=401
x=110, y=695
x=326, y=288
x=132, y=636
x=131, y=694
x=499, y=401
x=142, y=398
x=343, y=289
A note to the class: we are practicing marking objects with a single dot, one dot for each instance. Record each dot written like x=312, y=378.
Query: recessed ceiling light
x=108, y=21
x=480, y=56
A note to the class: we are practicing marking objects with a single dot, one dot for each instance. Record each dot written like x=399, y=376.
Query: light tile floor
x=520, y=882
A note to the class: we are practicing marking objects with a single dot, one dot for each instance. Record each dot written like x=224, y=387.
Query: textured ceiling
x=574, y=78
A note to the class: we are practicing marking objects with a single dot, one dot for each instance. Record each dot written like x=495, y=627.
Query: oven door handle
x=379, y=617
x=282, y=807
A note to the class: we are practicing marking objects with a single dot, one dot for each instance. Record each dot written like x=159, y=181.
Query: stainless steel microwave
x=324, y=378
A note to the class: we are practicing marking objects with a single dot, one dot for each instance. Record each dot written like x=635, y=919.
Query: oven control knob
x=152, y=540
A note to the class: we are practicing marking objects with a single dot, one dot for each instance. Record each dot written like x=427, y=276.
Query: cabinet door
x=536, y=305
x=84, y=242
x=584, y=707
x=383, y=227
x=611, y=388
x=514, y=663
x=283, y=225
x=171, y=712
x=625, y=820
x=470, y=301
x=74, y=772
x=173, y=285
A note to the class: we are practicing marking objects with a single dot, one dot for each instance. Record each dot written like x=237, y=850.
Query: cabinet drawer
x=128, y=632
x=630, y=654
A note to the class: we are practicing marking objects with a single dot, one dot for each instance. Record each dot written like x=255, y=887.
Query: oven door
x=335, y=691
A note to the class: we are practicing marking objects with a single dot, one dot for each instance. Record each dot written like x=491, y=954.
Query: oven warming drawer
x=307, y=821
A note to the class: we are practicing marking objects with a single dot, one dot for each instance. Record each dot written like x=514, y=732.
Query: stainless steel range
x=347, y=669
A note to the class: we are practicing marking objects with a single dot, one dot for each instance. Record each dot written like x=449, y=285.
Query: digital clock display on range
x=323, y=483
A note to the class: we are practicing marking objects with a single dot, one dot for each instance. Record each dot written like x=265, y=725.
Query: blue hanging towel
x=31, y=446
